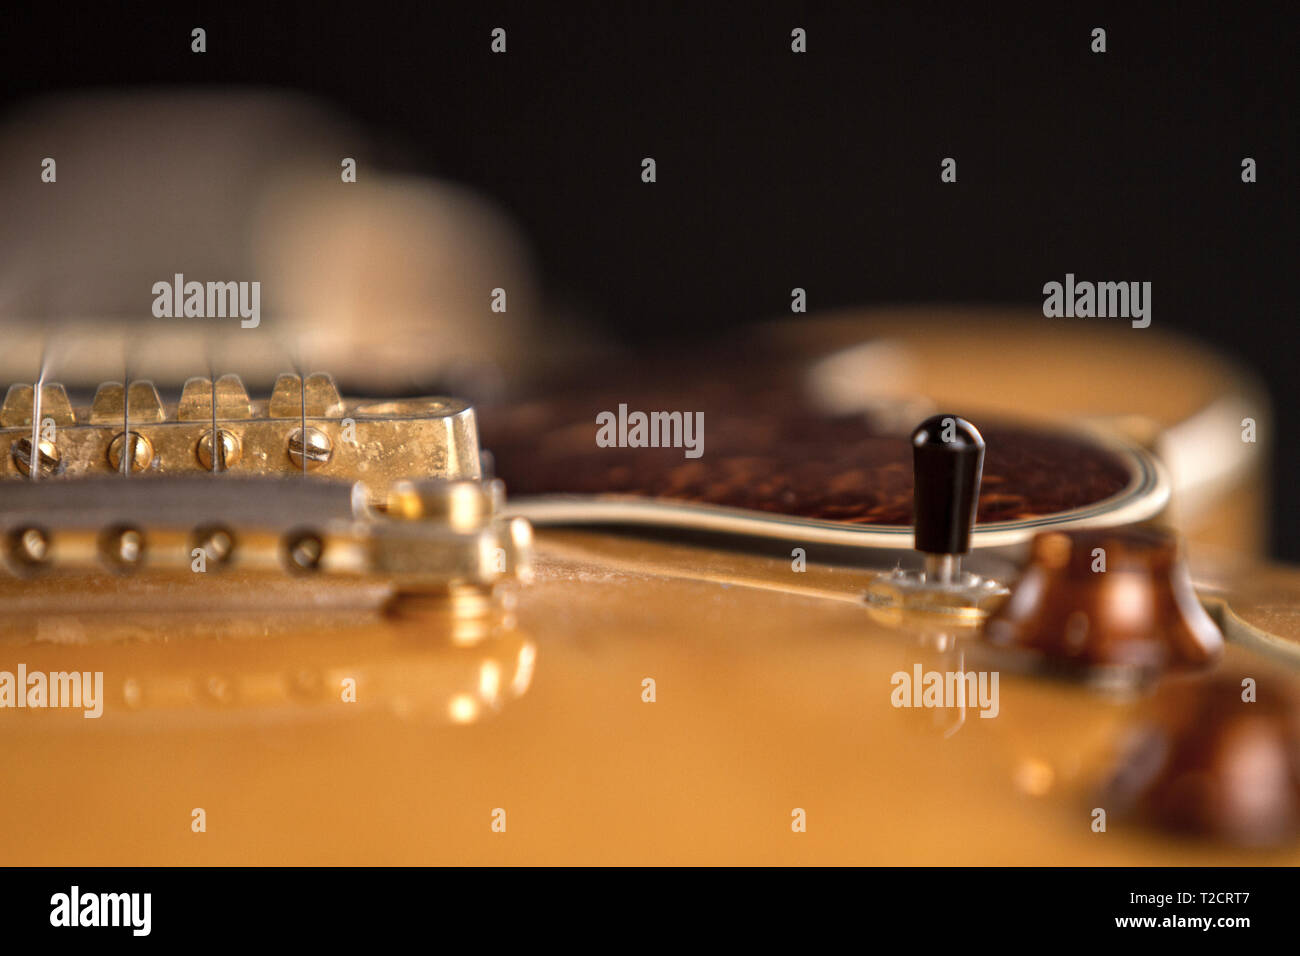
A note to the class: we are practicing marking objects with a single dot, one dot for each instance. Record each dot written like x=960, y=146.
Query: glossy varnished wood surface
x=773, y=693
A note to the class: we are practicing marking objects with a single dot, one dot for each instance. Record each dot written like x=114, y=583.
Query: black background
x=816, y=170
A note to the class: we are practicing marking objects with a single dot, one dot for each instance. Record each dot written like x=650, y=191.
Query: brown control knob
x=1217, y=758
x=1116, y=598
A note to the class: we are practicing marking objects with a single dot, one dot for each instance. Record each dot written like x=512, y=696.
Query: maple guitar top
x=772, y=693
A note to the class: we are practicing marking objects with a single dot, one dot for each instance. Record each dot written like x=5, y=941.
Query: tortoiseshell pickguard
x=769, y=452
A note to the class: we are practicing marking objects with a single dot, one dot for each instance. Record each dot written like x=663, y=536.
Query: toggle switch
x=947, y=463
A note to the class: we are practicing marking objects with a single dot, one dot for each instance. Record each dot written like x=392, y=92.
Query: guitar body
x=674, y=689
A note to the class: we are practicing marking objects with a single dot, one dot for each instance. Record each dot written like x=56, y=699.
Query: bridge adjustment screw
x=311, y=446
x=139, y=452
x=228, y=450
x=21, y=451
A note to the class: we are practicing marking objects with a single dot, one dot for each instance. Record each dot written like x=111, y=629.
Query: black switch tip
x=947, y=461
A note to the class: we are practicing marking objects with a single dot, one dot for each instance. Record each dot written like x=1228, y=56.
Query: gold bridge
x=219, y=487
x=191, y=533
x=304, y=426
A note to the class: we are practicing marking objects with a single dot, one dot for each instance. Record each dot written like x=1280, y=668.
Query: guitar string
x=124, y=462
x=34, y=459
x=217, y=446
x=296, y=360
x=128, y=445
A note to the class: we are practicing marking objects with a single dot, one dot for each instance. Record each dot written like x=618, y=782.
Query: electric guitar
x=932, y=592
